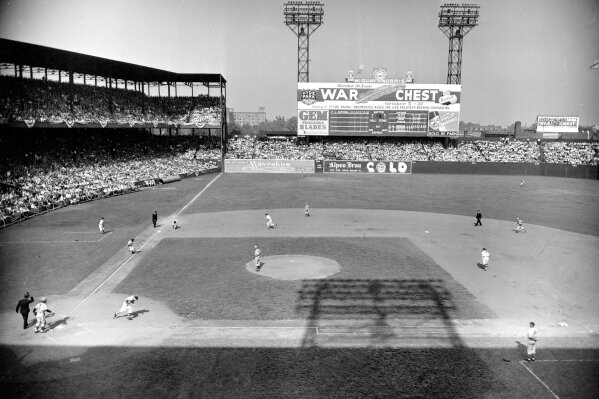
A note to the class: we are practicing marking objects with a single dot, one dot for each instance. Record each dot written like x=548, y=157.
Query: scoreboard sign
x=378, y=109
x=557, y=124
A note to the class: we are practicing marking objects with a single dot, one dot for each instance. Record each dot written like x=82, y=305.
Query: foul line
x=108, y=278
x=147, y=241
x=589, y=327
x=198, y=194
x=104, y=236
x=566, y=360
x=538, y=379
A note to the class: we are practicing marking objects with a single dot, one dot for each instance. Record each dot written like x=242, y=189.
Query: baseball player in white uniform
x=531, y=346
x=519, y=225
x=130, y=245
x=40, y=311
x=307, y=210
x=257, y=253
x=269, y=223
x=485, y=256
x=126, y=307
x=101, y=226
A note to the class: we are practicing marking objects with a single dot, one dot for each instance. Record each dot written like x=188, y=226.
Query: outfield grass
x=206, y=279
x=567, y=204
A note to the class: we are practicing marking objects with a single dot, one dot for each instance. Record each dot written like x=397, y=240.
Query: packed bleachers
x=28, y=99
x=509, y=151
x=331, y=148
x=40, y=171
x=522, y=151
x=574, y=153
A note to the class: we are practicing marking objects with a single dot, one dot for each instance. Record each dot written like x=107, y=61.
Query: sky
x=526, y=58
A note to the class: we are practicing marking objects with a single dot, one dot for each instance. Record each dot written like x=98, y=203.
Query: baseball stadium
x=368, y=284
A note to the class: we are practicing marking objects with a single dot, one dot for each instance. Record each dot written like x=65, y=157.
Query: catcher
x=126, y=306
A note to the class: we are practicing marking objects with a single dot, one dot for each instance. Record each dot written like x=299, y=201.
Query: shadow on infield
x=191, y=372
x=313, y=372
x=369, y=305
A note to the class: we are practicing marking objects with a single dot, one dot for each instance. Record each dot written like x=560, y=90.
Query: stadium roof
x=20, y=53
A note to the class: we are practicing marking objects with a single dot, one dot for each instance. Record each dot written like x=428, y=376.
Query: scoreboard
x=363, y=109
x=377, y=122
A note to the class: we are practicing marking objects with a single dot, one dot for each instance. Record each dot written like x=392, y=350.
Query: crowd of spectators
x=40, y=100
x=521, y=151
x=575, y=153
x=331, y=148
x=39, y=172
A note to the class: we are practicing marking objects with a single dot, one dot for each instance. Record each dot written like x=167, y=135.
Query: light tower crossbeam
x=303, y=18
x=456, y=20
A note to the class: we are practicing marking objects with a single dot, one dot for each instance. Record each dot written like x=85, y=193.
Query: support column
x=71, y=82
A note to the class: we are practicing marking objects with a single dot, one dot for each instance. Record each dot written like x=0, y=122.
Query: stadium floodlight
x=303, y=18
x=456, y=20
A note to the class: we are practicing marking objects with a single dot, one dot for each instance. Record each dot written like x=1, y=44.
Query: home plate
x=294, y=267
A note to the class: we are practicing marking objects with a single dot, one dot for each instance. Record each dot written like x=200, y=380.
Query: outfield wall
x=500, y=168
x=407, y=167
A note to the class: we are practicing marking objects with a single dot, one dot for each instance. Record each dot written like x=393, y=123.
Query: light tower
x=456, y=20
x=303, y=18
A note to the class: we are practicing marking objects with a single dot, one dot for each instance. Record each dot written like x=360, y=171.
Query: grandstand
x=75, y=127
x=34, y=92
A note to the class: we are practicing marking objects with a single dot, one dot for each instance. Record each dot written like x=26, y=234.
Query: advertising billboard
x=557, y=124
x=378, y=109
x=393, y=167
x=268, y=166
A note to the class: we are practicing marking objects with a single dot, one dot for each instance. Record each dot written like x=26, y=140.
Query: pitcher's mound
x=295, y=267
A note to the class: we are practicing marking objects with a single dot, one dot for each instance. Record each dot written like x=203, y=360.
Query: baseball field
x=379, y=293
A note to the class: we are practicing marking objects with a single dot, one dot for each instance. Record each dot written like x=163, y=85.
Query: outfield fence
x=501, y=168
x=409, y=167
